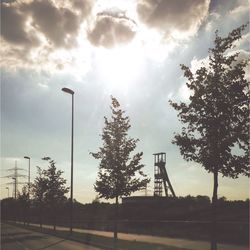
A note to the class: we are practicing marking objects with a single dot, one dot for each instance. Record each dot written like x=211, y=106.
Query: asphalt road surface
x=15, y=238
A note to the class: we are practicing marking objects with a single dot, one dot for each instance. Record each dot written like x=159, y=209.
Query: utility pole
x=14, y=176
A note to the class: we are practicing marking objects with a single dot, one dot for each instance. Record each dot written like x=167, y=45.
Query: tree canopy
x=119, y=174
x=55, y=185
x=216, y=130
x=39, y=187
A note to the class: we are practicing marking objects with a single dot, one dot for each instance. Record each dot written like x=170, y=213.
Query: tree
x=54, y=196
x=38, y=190
x=119, y=173
x=216, y=117
x=96, y=200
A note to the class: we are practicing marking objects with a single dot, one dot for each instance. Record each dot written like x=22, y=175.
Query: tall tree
x=216, y=118
x=54, y=196
x=119, y=173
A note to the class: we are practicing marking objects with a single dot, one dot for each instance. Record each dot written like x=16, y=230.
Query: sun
x=121, y=66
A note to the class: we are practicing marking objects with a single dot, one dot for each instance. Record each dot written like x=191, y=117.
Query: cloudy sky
x=129, y=49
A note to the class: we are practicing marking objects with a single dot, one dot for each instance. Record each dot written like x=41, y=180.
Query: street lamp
x=15, y=186
x=27, y=157
x=71, y=92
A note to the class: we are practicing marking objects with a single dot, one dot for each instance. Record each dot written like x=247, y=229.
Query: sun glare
x=121, y=66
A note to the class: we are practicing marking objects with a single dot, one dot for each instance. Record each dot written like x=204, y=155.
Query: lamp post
x=7, y=214
x=8, y=191
x=71, y=92
x=15, y=187
x=27, y=157
x=15, y=184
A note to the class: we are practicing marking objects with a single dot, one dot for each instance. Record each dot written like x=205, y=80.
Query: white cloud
x=213, y=18
x=240, y=10
x=43, y=86
x=196, y=64
x=184, y=93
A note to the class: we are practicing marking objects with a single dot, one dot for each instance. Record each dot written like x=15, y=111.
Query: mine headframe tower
x=161, y=176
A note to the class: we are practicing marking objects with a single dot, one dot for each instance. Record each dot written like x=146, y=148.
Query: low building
x=144, y=199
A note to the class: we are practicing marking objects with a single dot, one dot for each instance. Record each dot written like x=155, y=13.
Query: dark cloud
x=112, y=28
x=13, y=27
x=82, y=6
x=116, y=13
x=219, y=5
x=59, y=25
x=8, y=1
x=39, y=25
x=173, y=14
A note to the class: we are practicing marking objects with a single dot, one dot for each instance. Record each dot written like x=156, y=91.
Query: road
x=182, y=243
x=15, y=238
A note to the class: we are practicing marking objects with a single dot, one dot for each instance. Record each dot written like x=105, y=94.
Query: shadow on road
x=10, y=239
x=53, y=244
x=13, y=234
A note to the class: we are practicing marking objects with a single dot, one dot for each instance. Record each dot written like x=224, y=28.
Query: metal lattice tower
x=161, y=176
x=15, y=177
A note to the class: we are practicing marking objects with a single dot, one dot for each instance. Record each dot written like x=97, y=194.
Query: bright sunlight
x=120, y=66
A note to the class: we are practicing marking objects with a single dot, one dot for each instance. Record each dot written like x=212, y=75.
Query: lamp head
x=27, y=157
x=67, y=90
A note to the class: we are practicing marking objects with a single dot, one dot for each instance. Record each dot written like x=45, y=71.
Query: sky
x=129, y=49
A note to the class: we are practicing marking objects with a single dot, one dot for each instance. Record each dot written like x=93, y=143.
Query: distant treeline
x=169, y=208
x=187, y=217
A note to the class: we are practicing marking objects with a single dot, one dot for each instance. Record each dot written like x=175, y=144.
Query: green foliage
x=119, y=173
x=55, y=185
x=23, y=197
x=39, y=187
x=49, y=187
x=216, y=119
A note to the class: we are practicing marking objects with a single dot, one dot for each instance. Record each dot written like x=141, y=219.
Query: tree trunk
x=53, y=219
x=214, y=213
x=55, y=222
x=115, y=222
x=40, y=215
x=116, y=217
x=24, y=219
x=28, y=213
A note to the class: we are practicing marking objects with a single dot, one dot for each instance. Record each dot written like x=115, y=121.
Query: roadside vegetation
x=184, y=217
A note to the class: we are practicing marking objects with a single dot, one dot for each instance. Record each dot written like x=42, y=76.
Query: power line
x=15, y=175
